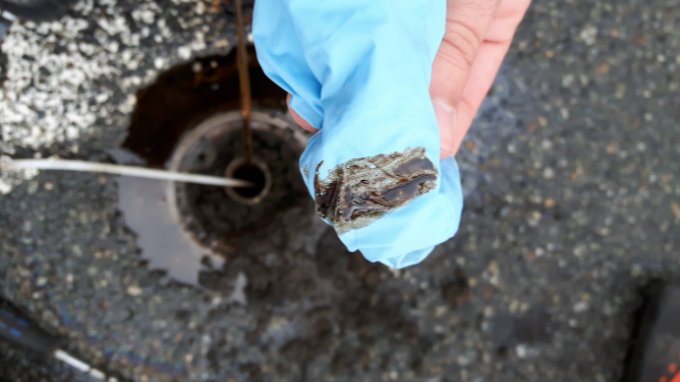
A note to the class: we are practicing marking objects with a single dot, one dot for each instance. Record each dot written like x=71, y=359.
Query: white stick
x=76, y=165
x=9, y=16
x=73, y=361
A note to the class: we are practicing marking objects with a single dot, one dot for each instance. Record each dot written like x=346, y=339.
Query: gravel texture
x=572, y=206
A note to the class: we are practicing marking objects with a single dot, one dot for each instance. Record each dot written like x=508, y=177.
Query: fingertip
x=445, y=152
x=297, y=118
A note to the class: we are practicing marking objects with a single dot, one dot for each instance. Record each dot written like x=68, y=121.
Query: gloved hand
x=359, y=71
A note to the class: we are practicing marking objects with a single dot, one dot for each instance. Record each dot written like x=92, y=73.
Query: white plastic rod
x=76, y=165
x=73, y=361
x=8, y=16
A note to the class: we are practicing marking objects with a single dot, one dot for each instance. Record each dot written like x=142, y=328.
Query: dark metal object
x=655, y=350
x=244, y=79
x=36, y=10
x=20, y=331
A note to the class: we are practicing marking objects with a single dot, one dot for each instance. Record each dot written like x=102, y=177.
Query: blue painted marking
x=22, y=322
x=6, y=313
x=15, y=332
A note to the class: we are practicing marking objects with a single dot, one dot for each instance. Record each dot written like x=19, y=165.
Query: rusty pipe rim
x=235, y=193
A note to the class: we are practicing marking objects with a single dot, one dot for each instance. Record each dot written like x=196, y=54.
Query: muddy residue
x=362, y=190
x=359, y=328
x=456, y=291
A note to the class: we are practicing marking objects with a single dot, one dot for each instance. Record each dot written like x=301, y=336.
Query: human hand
x=361, y=72
x=478, y=35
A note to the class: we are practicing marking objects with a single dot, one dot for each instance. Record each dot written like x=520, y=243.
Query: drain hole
x=256, y=172
x=253, y=174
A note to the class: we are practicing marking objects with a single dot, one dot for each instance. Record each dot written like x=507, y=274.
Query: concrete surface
x=573, y=204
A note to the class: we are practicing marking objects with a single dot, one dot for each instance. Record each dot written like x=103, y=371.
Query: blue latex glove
x=359, y=70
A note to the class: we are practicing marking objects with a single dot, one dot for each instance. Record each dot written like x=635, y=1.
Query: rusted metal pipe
x=244, y=80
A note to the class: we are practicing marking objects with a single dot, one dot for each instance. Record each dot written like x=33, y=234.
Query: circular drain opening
x=231, y=220
x=255, y=172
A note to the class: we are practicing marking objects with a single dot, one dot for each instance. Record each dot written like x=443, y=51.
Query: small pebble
x=32, y=187
x=134, y=290
x=675, y=207
x=580, y=307
x=548, y=173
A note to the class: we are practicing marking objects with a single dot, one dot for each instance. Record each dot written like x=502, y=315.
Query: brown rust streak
x=244, y=79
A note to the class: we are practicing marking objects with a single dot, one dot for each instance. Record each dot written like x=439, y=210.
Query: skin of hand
x=477, y=37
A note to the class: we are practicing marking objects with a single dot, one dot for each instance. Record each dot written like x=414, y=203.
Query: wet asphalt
x=572, y=206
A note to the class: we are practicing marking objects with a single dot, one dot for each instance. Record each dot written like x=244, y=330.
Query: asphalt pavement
x=572, y=189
